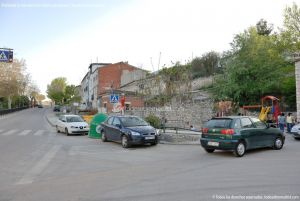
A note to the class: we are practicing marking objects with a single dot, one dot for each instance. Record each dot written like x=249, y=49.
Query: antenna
x=159, y=60
x=152, y=63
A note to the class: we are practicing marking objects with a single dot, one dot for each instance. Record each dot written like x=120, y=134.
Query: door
x=262, y=132
x=116, y=130
x=108, y=129
x=250, y=133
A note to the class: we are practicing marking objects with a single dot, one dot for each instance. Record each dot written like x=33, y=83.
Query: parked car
x=72, y=124
x=296, y=131
x=129, y=130
x=238, y=134
x=56, y=108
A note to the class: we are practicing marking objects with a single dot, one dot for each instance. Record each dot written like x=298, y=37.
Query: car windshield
x=218, y=123
x=133, y=121
x=74, y=119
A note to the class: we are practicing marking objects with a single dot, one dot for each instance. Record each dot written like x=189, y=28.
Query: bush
x=153, y=121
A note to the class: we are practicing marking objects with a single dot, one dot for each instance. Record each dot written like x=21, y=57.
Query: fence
x=3, y=112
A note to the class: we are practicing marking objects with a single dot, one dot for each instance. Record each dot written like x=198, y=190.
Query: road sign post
x=6, y=55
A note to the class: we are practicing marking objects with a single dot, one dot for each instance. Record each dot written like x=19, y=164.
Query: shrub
x=153, y=120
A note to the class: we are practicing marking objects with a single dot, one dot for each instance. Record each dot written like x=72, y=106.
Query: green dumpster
x=94, y=126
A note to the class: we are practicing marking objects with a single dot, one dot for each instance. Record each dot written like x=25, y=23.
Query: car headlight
x=134, y=133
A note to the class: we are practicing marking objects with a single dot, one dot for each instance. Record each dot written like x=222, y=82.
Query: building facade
x=89, y=87
x=111, y=78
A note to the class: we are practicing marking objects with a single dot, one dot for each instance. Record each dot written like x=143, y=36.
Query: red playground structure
x=269, y=111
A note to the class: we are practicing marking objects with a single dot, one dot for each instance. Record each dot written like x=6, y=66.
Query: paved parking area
x=53, y=166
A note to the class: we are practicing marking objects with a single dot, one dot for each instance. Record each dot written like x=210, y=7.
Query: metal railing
x=7, y=111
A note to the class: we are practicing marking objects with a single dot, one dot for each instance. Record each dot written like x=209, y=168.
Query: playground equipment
x=269, y=109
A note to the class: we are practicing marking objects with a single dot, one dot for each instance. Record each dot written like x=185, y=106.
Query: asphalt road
x=37, y=164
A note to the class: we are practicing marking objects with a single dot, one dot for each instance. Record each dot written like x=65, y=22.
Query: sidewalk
x=51, y=118
x=180, y=137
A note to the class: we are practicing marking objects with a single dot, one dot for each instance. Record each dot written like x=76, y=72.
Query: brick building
x=110, y=78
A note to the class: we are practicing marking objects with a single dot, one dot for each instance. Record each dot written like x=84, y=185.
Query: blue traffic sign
x=114, y=98
x=6, y=56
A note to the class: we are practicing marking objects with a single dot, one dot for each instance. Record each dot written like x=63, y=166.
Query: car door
x=249, y=133
x=60, y=123
x=116, y=130
x=262, y=132
x=108, y=128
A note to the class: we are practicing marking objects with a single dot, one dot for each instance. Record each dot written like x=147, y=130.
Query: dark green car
x=238, y=134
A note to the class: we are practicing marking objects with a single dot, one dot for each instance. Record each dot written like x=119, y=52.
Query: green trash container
x=96, y=121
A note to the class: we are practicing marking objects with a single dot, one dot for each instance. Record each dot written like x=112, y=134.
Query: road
x=38, y=164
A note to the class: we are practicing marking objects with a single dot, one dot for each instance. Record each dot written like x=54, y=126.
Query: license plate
x=149, y=138
x=214, y=144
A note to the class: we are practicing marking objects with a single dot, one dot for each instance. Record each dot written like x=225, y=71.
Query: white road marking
x=39, y=166
x=39, y=133
x=24, y=132
x=10, y=132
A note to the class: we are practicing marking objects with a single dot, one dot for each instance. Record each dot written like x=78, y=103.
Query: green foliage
x=263, y=28
x=56, y=90
x=71, y=94
x=206, y=65
x=292, y=25
x=153, y=120
x=253, y=68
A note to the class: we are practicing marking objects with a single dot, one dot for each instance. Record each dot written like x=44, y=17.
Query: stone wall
x=182, y=112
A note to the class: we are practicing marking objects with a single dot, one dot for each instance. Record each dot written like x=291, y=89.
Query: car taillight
x=204, y=130
x=227, y=131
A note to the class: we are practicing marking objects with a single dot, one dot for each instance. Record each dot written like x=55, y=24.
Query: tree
x=13, y=79
x=253, y=67
x=205, y=65
x=56, y=90
x=40, y=98
x=263, y=28
x=290, y=34
x=72, y=94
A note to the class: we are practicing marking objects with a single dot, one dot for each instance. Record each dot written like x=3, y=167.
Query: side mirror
x=118, y=125
x=63, y=120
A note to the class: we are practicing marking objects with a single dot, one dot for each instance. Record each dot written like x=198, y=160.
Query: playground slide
x=264, y=112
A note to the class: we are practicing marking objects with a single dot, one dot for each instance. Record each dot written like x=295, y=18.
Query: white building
x=89, y=86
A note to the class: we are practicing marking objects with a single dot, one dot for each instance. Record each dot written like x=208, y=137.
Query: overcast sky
x=61, y=38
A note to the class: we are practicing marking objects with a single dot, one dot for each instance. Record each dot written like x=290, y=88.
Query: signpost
x=6, y=55
x=114, y=98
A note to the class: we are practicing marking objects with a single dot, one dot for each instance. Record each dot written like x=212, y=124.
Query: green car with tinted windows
x=238, y=134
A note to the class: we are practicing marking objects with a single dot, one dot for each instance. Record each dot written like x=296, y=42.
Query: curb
x=49, y=121
x=180, y=143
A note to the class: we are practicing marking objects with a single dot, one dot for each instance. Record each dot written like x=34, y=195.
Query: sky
x=61, y=38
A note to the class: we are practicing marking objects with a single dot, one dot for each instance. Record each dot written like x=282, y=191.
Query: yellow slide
x=264, y=112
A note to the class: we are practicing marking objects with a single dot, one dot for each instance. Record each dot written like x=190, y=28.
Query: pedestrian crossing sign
x=114, y=98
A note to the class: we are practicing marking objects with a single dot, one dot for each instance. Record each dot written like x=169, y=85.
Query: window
x=116, y=121
x=237, y=124
x=110, y=120
x=133, y=121
x=258, y=123
x=246, y=123
x=218, y=123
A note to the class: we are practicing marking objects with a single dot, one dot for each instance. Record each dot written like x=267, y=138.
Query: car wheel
x=209, y=150
x=104, y=139
x=125, y=143
x=57, y=130
x=67, y=132
x=240, y=149
x=278, y=143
